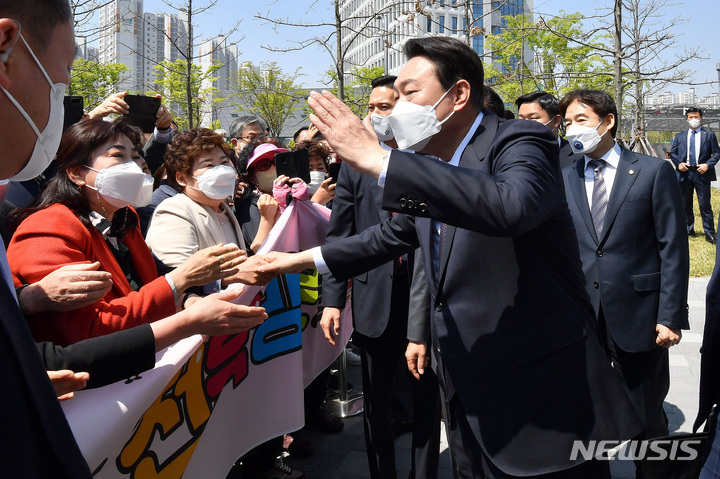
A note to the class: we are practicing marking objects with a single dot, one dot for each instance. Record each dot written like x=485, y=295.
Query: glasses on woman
x=263, y=164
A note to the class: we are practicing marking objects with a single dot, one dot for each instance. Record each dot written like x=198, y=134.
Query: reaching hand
x=71, y=287
x=249, y=272
x=214, y=315
x=279, y=263
x=330, y=324
x=350, y=139
x=208, y=265
x=66, y=382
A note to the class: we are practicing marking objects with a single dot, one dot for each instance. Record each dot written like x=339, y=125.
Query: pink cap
x=264, y=150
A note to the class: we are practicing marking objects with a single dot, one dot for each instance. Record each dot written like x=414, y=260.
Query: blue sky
x=313, y=62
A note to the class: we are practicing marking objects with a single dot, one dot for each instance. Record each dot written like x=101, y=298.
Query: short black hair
x=694, y=110
x=300, y=130
x=493, y=102
x=547, y=102
x=600, y=102
x=385, y=80
x=38, y=18
x=453, y=61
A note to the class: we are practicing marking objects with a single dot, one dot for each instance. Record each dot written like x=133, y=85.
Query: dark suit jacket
x=108, y=358
x=357, y=206
x=637, y=271
x=39, y=443
x=709, y=153
x=710, y=360
x=567, y=156
x=510, y=315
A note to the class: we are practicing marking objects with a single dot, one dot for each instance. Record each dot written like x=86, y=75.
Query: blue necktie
x=692, y=158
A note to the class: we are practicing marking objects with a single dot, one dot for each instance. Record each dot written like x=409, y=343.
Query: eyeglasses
x=263, y=165
x=251, y=138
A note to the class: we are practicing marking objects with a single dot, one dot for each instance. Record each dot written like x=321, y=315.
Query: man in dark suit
x=629, y=223
x=543, y=107
x=42, y=444
x=695, y=153
x=513, y=335
x=380, y=318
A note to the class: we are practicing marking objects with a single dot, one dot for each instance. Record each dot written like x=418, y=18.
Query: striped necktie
x=599, y=195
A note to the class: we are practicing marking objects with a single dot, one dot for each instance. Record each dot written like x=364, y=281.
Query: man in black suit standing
x=380, y=303
x=31, y=62
x=543, y=107
x=695, y=153
x=513, y=337
x=629, y=222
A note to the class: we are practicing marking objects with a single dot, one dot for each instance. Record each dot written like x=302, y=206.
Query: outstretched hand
x=352, y=141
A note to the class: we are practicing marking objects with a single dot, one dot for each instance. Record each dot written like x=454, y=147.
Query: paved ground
x=342, y=456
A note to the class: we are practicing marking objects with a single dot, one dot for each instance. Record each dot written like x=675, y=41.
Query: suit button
x=599, y=254
x=439, y=307
x=596, y=284
x=403, y=203
x=423, y=208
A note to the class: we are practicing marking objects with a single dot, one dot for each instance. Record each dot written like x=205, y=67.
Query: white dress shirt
x=697, y=145
x=320, y=264
x=612, y=158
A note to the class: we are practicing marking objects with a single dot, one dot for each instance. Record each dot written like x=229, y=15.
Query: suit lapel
x=577, y=187
x=472, y=157
x=627, y=173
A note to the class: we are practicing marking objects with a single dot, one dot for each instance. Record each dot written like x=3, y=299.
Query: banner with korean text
x=205, y=404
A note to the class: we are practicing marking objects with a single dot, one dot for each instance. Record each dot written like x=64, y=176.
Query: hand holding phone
x=142, y=111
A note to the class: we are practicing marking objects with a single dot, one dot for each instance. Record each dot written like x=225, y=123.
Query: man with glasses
x=246, y=130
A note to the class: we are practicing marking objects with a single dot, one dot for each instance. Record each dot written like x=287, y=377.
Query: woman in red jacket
x=85, y=214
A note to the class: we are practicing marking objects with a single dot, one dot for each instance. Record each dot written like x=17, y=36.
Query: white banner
x=205, y=404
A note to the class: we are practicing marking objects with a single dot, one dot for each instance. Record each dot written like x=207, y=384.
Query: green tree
x=560, y=64
x=357, y=92
x=174, y=83
x=269, y=93
x=95, y=81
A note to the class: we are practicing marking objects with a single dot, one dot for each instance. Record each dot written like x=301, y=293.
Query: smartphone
x=74, y=109
x=293, y=164
x=143, y=111
x=334, y=171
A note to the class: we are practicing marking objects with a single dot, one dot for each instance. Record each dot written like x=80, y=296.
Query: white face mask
x=123, y=185
x=414, y=125
x=584, y=139
x=217, y=183
x=265, y=180
x=316, y=179
x=381, y=125
x=694, y=123
x=47, y=142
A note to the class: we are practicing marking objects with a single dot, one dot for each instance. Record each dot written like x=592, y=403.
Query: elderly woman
x=198, y=167
x=85, y=215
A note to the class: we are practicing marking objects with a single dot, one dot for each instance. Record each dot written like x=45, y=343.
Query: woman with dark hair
x=85, y=215
x=198, y=166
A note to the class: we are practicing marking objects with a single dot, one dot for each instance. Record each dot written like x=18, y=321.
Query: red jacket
x=54, y=237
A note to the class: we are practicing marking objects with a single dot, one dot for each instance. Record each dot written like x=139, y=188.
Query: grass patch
x=702, y=253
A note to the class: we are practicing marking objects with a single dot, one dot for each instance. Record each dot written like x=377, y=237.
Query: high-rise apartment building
x=374, y=31
x=139, y=40
x=216, y=51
